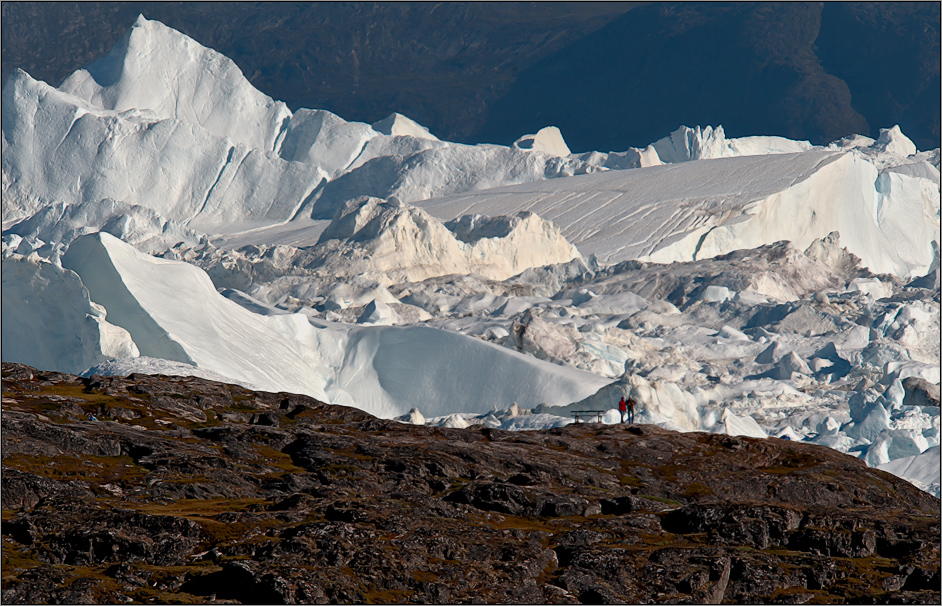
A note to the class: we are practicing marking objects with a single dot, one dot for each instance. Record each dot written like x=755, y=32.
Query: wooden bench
x=582, y=416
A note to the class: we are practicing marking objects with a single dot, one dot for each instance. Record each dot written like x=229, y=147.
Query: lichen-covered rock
x=155, y=488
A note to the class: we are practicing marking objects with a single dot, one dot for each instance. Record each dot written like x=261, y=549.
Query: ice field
x=160, y=215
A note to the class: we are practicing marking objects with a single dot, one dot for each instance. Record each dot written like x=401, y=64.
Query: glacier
x=160, y=214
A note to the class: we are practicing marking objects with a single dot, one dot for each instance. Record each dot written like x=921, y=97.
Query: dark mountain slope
x=755, y=69
x=438, y=63
x=610, y=75
x=888, y=54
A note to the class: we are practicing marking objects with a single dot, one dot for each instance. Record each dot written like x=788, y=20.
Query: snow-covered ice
x=49, y=321
x=696, y=210
x=173, y=312
x=922, y=469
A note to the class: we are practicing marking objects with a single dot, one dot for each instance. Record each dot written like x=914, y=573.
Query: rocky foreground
x=173, y=489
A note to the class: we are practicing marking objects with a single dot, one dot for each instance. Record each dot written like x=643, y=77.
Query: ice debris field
x=161, y=215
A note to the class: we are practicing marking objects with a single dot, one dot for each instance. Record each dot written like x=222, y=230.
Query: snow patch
x=547, y=140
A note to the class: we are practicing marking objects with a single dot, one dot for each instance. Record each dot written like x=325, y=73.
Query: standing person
x=631, y=410
x=622, y=408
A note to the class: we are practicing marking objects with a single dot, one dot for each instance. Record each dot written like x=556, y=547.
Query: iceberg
x=49, y=320
x=160, y=214
x=172, y=311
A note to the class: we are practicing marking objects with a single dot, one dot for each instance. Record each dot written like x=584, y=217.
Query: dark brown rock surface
x=171, y=489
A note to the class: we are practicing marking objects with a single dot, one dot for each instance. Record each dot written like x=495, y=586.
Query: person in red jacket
x=622, y=408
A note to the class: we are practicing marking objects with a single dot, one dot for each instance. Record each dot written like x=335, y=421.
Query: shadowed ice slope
x=49, y=320
x=172, y=311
